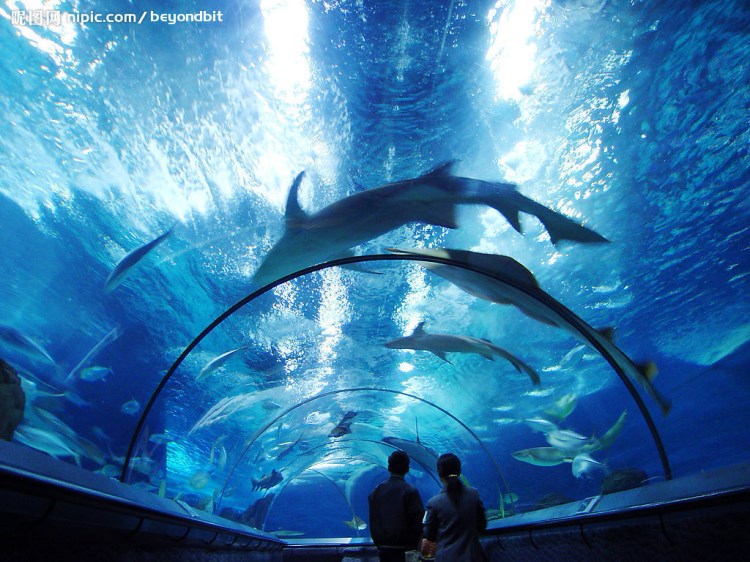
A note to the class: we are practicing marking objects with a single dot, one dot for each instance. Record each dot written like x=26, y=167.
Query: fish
x=160, y=438
x=541, y=424
x=481, y=286
x=200, y=479
x=440, y=344
x=125, y=266
x=131, y=407
x=287, y=533
x=530, y=299
x=609, y=437
x=566, y=439
x=344, y=426
x=268, y=481
x=287, y=450
x=510, y=498
x=356, y=523
x=563, y=406
x=227, y=406
x=108, y=338
x=582, y=447
x=43, y=440
x=220, y=453
x=95, y=373
x=268, y=404
x=583, y=463
x=542, y=456
x=428, y=199
x=15, y=340
x=217, y=362
x=417, y=451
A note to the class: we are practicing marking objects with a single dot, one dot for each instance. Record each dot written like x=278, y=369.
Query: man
x=396, y=512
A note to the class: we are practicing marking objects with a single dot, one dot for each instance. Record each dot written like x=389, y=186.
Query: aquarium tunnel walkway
x=55, y=510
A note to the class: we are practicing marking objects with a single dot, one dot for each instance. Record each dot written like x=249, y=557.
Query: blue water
x=629, y=117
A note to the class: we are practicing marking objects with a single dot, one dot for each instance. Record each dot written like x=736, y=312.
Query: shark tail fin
x=294, y=216
x=559, y=227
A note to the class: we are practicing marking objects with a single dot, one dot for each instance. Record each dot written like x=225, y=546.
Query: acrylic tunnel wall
x=149, y=185
x=301, y=391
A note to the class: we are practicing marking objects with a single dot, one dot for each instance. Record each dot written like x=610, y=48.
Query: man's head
x=398, y=463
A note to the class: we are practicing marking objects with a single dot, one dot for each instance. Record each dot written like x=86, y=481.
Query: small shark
x=289, y=448
x=429, y=199
x=542, y=456
x=566, y=439
x=356, y=523
x=95, y=373
x=440, y=344
x=108, y=338
x=268, y=481
x=529, y=298
x=583, y=463
x=217, y=362
x=13, y=339
x=575, y=448
x=563, y=406
x=126, y=264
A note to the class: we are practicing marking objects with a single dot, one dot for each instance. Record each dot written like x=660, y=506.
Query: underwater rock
x=623, y=479
x=12, y=401
x=551, y=500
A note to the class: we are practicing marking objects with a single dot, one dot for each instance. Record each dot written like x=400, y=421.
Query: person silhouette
x=396, y=512
x=454, y=517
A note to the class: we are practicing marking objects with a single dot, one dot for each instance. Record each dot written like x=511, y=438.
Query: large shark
x=440, y=344
x=524, y=292
x=429, y=199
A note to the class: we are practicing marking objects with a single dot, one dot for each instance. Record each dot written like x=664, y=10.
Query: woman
x=455, y=517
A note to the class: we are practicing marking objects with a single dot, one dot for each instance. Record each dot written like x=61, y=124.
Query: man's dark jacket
x=396, y=512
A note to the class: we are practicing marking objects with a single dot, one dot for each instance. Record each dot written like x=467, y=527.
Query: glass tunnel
x=251, y=248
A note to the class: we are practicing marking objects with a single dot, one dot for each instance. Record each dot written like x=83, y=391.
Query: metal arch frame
x=567, y=315
x=270, y=424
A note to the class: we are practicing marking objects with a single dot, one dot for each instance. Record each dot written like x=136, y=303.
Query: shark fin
x=419, y=330
x=439, y=213
x=294, y=216
x=442, y=356
x=607, y=333
x=444, y=169
x=648, y=370
x=508, y=210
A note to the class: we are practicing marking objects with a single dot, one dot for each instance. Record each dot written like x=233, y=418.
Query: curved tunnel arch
x=312, y=468
x=618, y=360
x=341, y=445
x=271, y=423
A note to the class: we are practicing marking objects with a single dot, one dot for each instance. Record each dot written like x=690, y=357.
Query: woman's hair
x=449, y=469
